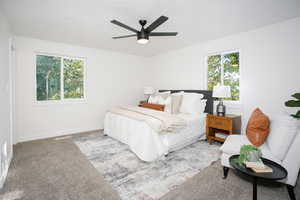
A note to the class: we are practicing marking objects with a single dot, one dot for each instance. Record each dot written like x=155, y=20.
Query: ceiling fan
x=144, y=33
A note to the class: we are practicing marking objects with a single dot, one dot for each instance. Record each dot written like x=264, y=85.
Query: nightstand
x=227, y=125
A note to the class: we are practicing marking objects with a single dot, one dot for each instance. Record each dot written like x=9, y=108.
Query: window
x=59, y=78
x=224, y=69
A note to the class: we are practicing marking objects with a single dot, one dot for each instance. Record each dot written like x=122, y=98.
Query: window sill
x=60, y=102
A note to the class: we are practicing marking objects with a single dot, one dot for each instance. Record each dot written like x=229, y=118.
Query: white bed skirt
x=147, y=144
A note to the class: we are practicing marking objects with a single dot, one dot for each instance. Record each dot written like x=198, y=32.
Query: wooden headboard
x=207, y=95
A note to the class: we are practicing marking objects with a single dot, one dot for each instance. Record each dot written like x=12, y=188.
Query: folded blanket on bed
x=157, y=120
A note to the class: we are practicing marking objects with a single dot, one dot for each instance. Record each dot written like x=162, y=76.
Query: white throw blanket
x=157, y=120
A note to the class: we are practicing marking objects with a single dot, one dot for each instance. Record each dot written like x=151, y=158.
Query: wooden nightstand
x=228, y=124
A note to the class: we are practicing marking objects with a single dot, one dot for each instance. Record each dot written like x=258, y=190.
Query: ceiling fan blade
x=163, y=34
x=123, y=25
x=156, y=23
x=124, y=36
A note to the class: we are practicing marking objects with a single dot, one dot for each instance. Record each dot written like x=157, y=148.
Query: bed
x=150, y=145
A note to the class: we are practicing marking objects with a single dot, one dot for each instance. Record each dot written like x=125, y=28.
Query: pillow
x=258, y=127
x=154, y=99
x=176, y=102
x=163, y=94
x=202, y=105
x=166, y=102
x=191, y=103
x=283, y=131
x=153, y=106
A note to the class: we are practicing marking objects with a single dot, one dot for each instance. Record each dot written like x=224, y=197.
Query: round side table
x=278, y=173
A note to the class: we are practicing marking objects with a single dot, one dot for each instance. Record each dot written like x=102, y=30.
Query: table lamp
x=220, y=92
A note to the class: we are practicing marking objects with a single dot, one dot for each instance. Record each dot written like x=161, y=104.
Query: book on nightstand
x=221, y=135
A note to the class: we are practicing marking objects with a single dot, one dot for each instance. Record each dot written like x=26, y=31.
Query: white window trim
x=62, y=101
x=234, y=103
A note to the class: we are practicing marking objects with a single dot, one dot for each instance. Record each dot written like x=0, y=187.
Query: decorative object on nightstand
x=220, y=92
x=148, y=91
x=219, y=127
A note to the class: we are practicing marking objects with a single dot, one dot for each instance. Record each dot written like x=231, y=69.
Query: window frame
x=221, y=53
x=62, y=100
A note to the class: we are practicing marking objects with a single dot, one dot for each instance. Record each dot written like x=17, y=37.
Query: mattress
x=147, y=144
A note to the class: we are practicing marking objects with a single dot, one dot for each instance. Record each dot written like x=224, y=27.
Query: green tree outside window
x=53, y=71
x=224, y=69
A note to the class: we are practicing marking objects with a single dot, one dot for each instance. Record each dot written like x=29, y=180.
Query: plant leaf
x=292, y=103
x=296, y=95
x=296, y=116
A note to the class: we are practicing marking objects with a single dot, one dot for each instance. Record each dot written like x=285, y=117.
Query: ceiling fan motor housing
x=142, y=34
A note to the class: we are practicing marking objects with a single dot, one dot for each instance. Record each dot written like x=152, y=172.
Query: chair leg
x=291, y=192
x=225, y=172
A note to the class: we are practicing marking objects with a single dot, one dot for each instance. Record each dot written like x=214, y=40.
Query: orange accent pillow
x=258, y=127
x=153, y=106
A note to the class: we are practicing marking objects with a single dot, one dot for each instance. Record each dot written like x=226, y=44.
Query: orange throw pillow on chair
x=258, y=127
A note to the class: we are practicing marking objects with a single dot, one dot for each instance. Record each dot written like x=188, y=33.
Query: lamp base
x=221, y=109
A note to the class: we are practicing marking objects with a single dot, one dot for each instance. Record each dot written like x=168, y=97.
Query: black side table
x=278, y=173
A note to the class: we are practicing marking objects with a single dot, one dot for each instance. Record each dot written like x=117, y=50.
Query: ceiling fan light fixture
x=142, y=37
x=142, y=41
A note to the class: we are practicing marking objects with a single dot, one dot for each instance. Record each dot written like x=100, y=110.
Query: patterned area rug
x=135, y=179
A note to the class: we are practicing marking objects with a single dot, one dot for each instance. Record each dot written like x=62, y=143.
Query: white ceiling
x=87, y=22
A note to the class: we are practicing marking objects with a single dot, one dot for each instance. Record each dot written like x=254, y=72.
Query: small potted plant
x=249, y=153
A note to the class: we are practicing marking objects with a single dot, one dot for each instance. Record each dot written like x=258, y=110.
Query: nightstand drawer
x=217, y=122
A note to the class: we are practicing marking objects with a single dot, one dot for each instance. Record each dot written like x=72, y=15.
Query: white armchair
x=290, y=161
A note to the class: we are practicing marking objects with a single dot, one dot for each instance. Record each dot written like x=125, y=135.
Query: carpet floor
x=56, y=169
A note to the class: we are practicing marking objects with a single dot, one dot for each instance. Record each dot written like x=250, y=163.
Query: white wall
x=270, y=71
x=270, y=67
x=111, y=79
x=5, y=131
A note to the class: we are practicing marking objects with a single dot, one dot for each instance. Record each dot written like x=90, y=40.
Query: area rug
x=135, y=179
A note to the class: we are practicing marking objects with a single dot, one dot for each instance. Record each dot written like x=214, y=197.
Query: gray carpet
x=57, y=170
x=53, y=170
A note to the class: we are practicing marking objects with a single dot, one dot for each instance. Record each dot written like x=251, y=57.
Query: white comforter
x=148, y=144
x=159, y=121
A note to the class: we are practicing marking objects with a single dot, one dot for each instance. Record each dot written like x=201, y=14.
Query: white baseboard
x=57, y=134
x=4, y=175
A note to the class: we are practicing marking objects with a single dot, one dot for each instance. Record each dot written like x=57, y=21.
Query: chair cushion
x=258, y=127
x=283, y=131
x=233, y=143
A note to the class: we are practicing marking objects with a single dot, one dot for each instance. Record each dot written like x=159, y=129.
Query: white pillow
x=166, y=102
x=153, y=99
x=191, y=103
x=176, y=101
x=283, y=130
x=178, y=93
x=163, y=94
x=202, y=105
